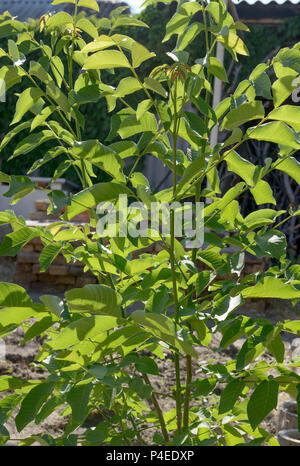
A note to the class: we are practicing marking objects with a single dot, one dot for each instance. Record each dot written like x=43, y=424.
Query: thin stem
x=158, y=411
x=186, y=406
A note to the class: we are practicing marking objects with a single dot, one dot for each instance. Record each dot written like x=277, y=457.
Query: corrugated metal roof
x=270, y=12
x=265, y=2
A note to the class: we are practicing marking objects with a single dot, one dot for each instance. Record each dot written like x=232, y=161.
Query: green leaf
x=271, y=287
x=94, y=298
x=243, y=113
x=58, y=69
x=100, y=155
x=25, y=102
x=189, y=34
x=138, y=386
x=233, y=42
x=93, y=196
x=261, y=217
x=49, y=253
x=216, y=68
x=83, y=329
x=129, y=21
x=143, y=107
x=140, y=54
x=224, y=306
x=92, y=4
x=162, y=327
x=282, y=88
x=106, y=60
x=240, y=166
x=230, y=395
x=289, y=58
x=127, y=86
x=97, y=371
x=155, y=86
x=262, y=193
x=13, y=242
x=39, y=327
x=277, y=132
x=272, y=244
x=41, y=117
x=262, y=401
x=32, y=403
x=78, y=398
x=59, y=19
x=31, y=142
x=290, y=166
x=88, y=27
x=131, y=126
x=9, y=136
x=146, y=365
x=19, y=187
x=289, y=114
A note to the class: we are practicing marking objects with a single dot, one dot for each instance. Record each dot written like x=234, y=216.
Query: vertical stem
x=158, y=411
x=186, y=405
x=173, y=266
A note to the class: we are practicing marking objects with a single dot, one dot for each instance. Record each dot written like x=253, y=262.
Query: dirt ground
x=18, y=362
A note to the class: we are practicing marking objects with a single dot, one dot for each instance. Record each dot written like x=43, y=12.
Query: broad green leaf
x=282, y=88
x=100, y=155
x=163, y=328
x=88, y=27
x=262, y=193
x=83, y=329
x=93, y=196
x=146, y=365
x=19, y=187
x=92, y=4
x=143, y=107
x=124, y=148
x=59, y=19
x=288, y=58
x=155, y=86
x=216, y=68
x=127, y=86
x=230, y=395
x=189, y=34
x=140, y=54
x=9, y=382
x=261, y=217
x=78, y=398
x=32, y=403
x=39, y=327
x=49, y=253
x=240, y=166
x=272, y=243
x=262, y=401
x=101, y=43
x=123, y=20
x=243, y=113
x=94, y=298
x=11, y=74
x=31, y=142
x=277, y=132
x=271, y=287
x=53, y=303
x=106, y=60
x=224, y=306
x=289, y=114
x=13, y=242
x=233, y=42
x=9, y=136
x=36, y=69
x=131, y=126
x=25, y=102
x=41, y=117
x=58, y=69
x=291, y=166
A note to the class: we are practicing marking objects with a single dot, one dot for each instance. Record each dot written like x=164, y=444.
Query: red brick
x=58, y=269
x=28, y=257
x=42, y=205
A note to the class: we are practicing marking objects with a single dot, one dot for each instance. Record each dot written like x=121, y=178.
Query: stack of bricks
x=60, y=276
